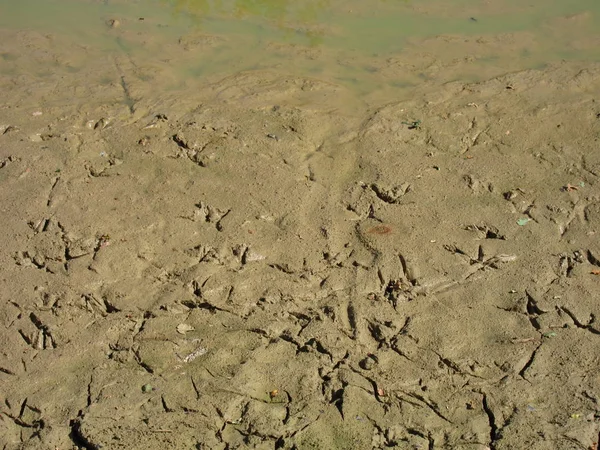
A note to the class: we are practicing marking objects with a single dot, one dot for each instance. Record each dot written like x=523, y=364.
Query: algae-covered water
x=368, y=46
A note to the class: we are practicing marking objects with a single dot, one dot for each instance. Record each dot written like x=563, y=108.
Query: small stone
x=184, y=328
x=252, y=256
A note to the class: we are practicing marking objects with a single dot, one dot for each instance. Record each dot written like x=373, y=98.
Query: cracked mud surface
x=241, y=271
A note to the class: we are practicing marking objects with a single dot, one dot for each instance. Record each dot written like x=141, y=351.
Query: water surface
x=374, y=46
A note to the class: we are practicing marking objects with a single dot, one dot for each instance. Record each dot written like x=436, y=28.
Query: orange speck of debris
x=380, y=229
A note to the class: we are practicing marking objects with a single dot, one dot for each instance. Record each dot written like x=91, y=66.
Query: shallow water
x=373, y=48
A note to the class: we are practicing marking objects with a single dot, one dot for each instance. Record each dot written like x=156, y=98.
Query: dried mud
x=242, y=268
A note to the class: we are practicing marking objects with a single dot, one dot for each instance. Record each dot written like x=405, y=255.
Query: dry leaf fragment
x=380, y=230
x=195, y=354
x=569, y=187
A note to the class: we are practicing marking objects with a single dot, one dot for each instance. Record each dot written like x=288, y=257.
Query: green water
x=362, y=45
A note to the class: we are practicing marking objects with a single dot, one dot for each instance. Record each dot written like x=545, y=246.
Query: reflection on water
x=380, y=45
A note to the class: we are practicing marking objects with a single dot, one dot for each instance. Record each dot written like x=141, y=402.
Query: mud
x=254, y=265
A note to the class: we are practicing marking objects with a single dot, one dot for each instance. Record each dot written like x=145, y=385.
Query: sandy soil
x=254, y=266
